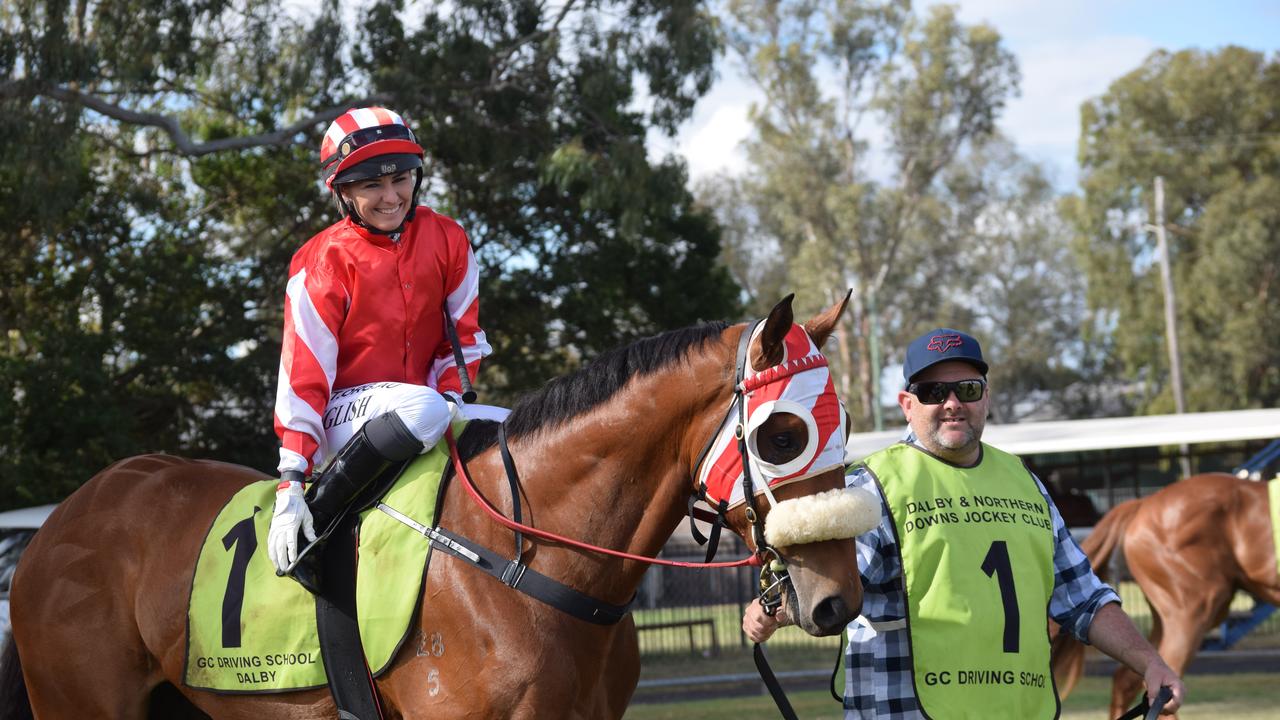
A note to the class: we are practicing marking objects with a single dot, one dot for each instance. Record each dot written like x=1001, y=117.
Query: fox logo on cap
x=943, y=343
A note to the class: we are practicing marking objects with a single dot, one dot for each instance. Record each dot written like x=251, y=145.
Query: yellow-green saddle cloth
x=251, y=631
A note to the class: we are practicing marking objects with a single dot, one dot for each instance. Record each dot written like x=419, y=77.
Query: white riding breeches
x=424, y=411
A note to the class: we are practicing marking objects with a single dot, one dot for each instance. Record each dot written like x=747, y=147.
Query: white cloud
x=1022, y=23
x=711, y=141
x=1062, y=66
x=1057, y=78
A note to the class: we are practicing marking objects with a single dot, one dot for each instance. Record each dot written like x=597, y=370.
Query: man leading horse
x=969, y=553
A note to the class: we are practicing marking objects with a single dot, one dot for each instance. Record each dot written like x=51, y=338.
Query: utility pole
x=873, y=347
x=1170, y=318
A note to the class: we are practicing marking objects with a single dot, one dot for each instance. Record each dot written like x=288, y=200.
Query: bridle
x=773, y=573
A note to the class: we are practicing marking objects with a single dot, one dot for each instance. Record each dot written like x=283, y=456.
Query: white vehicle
x=17, y=527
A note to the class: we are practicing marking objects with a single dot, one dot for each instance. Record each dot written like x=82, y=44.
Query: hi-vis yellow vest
x=976, y=546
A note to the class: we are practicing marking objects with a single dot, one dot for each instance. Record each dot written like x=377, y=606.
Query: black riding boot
x=379, y=443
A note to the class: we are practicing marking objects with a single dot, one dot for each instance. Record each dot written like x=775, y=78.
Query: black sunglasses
x=936, y=393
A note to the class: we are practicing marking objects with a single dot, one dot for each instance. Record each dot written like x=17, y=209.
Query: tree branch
x=183, y=144
x=500, y=62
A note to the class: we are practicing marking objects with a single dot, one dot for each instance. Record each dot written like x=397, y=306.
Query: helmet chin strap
x=349, y=210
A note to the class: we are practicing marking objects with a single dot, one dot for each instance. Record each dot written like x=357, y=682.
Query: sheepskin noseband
x=829, y=515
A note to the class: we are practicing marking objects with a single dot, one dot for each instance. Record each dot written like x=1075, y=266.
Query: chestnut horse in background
x=1190, y=547
x=606, y=455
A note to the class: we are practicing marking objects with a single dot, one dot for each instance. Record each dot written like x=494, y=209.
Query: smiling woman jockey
x=366, y=357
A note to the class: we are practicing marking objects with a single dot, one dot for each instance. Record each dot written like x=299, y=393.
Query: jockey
x=367, y=372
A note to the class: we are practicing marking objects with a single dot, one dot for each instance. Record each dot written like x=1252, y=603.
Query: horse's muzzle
x=832, y=615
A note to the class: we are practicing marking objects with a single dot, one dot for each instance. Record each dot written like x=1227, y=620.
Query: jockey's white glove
x=291, y=514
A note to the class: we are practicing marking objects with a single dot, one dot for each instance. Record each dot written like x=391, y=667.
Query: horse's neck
x=619, y=476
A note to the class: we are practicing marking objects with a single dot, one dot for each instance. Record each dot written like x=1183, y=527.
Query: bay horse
x=606, y=455
x=1190, y=546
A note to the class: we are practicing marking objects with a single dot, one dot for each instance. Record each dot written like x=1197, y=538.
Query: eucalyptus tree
x=1207, y=123
x=1008, y=274
x=161, y=167
x=836, y=75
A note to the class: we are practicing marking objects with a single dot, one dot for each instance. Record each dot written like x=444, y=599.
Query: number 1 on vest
x=997, y=562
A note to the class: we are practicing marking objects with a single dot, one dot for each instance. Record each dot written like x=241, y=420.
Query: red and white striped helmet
x=361, y=134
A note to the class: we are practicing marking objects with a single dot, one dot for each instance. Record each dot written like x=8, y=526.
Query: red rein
x=461, y=471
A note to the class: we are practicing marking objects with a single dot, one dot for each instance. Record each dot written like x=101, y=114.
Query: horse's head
x=776, y=466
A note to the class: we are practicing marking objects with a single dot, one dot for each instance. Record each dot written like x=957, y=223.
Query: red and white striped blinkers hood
x=800, y=385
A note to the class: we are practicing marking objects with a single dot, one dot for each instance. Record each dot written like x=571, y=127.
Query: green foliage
x=1207, y=122
x=538, y=145
x=1010, y=258
x=817, y=216
x=143, y=272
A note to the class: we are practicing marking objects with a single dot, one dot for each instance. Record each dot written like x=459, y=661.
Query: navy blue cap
x=939, y=345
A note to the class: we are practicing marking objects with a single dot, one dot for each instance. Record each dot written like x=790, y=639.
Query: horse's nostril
x=831, y=615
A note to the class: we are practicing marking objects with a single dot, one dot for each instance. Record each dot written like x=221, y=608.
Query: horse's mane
x=571, y=395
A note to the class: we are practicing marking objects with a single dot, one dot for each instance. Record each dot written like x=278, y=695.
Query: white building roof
x=1104, y=433
x=30, y=517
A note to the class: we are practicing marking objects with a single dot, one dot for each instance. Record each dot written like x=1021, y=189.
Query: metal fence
x=682, y=611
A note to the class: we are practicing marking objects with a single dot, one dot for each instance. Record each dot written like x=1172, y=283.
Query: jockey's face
x=381, y=202
x=952, y=429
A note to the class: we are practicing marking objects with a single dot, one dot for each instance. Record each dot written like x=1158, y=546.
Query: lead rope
x=1151, y=709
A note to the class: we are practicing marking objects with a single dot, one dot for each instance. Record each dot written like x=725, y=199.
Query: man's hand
x=1160, y=675
x=291, y=513
x=1113, y=633
x=759, y=626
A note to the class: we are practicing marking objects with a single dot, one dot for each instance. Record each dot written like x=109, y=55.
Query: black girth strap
x=526, y=580
x=349, y=679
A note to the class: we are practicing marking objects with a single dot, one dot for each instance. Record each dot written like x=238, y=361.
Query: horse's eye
x=782, y=441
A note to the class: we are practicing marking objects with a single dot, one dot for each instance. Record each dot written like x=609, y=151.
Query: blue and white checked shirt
x=878, y=663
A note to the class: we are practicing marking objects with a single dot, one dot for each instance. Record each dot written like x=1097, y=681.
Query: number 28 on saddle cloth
x=251, y=631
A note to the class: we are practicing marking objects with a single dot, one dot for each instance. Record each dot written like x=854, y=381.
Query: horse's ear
x=769, y=350
x=821, y=326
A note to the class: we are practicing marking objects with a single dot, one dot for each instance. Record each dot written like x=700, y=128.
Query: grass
x=691, y=653
x=1244, y=696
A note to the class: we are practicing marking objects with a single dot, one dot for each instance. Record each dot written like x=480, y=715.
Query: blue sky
x=1068, y=52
